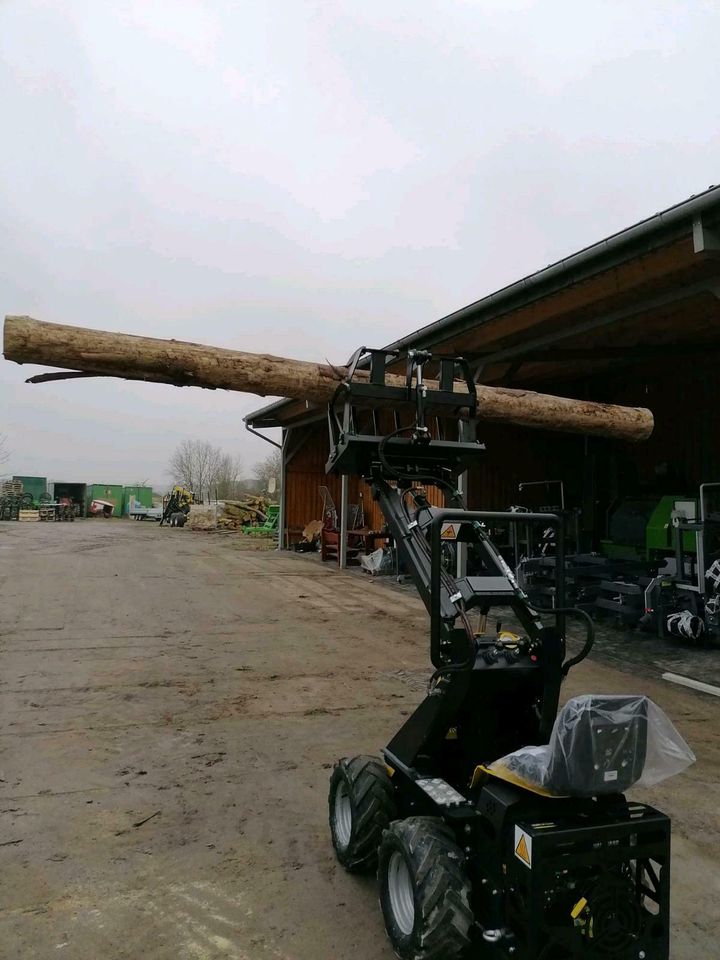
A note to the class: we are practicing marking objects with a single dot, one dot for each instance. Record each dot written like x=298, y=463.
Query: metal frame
x=463, y=489
x=344, y=500
x=699, y=537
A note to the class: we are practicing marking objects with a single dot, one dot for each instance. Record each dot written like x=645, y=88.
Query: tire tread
x=372, y=796
x=442, y=888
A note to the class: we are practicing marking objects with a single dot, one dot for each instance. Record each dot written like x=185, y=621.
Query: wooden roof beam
x=547, y=341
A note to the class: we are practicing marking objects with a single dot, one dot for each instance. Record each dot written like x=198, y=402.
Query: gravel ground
x=171, y=705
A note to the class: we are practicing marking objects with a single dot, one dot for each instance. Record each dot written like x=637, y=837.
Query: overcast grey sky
x=302, y=177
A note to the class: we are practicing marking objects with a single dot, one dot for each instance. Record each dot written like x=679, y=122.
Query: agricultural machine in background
x=176, y=507
x=658, y=569
x=498, y=826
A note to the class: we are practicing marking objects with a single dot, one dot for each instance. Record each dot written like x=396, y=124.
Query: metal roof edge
x=259, y=414
x=665, y=219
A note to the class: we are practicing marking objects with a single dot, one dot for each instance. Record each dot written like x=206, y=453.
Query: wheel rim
x=342, y=816
x=400, y=893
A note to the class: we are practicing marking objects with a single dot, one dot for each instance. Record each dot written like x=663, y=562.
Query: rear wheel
x=424, y=892
x=361, y=805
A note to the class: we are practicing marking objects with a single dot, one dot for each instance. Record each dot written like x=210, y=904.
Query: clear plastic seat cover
x=601, y=744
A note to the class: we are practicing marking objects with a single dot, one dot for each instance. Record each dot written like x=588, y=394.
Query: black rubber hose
x=589, y=639
x=381, y=451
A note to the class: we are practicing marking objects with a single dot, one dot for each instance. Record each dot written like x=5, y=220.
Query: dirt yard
x=171, y=707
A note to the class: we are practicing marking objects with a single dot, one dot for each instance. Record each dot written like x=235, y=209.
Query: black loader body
x=472, y=863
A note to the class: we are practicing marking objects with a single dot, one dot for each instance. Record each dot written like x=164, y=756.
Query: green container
x=141, y=496
x=33, y=485
x=110, y=492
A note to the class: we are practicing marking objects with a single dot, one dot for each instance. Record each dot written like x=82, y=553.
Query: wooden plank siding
x=512, y=456
x=306, y=474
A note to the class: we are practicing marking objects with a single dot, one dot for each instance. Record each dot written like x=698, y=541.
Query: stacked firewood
x=240, y=513
x=202, y=520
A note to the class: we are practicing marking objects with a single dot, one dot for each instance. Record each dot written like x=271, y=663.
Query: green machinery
x=641, y=528
x=652, y=543
x=268, y=528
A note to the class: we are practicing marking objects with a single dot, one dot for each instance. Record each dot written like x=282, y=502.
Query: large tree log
x=96, y=352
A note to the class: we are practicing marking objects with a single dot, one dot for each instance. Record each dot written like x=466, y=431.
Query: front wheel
x=424, y=891
x=362, y=804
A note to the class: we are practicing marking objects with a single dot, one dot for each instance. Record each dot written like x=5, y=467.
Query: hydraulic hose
x=589, y=639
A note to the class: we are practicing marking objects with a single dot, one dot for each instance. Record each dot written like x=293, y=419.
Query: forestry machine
x=498, y=826
x=176, y=506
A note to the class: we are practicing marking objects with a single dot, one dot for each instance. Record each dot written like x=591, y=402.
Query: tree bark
x=96, y=352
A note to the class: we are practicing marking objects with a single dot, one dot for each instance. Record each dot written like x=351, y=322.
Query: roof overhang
x=648, y=292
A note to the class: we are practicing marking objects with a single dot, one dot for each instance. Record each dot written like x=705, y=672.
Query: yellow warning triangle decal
x=449, y=533
x=521, y=850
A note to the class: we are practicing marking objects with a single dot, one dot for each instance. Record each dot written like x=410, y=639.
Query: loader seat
x=598, y=746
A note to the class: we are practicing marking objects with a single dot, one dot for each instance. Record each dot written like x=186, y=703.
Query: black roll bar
x=458, y=515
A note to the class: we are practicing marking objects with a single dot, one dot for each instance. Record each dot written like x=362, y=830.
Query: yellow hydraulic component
x=578, y=908
x=183, y=496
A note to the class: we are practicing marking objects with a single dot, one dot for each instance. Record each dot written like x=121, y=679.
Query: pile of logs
x=239, y=513
x=231, y=515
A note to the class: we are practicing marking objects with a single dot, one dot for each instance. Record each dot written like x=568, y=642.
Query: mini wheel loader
x=498, y=827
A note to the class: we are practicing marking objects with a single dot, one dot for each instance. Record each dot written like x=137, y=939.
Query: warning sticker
x=523, y=846
x=449, y=531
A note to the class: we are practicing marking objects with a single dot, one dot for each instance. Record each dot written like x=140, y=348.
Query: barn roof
x=649, y=292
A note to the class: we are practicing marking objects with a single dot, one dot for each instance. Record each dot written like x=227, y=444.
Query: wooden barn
x=632, y=319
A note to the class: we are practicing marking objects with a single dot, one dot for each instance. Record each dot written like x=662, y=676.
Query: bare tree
x=4, y=452
x=268, y=468
x=225, y=484
x=203, y=468
x=193, y=464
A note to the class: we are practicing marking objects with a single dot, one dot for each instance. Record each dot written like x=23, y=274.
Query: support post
x=461, y=548
x=344, y=493
x=283, y=487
